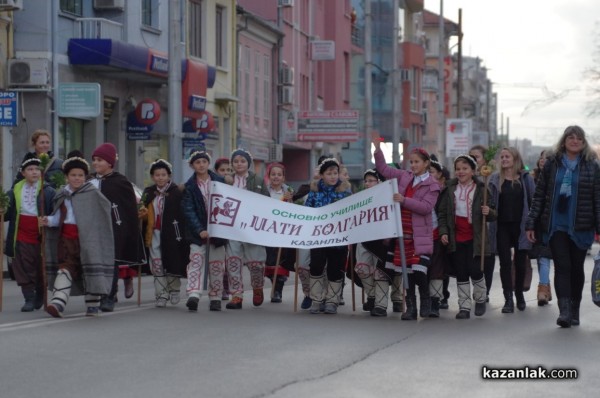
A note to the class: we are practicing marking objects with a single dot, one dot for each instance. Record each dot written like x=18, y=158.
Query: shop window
x=70, y=136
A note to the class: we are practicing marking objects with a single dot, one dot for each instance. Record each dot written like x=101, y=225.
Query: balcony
x=98, y=28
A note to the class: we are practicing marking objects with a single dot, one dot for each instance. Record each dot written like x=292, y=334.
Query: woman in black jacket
x=567, y=206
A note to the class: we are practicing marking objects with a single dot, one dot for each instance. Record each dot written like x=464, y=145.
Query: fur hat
x=108, y=152
x=161, y=164
x=199, y=155
x=75, y=160
x=30, y=159
x=242, y=152
x=373, y=173
x=327, y=163
x=467, y=159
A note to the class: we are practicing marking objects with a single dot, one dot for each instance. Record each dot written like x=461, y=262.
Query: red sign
x=205, y=123
x=147, y=111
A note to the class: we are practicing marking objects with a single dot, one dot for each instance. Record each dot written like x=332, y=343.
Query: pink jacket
x=420, y=205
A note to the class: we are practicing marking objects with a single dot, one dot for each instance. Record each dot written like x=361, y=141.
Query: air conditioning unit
x=109, y=4
x=286, y=3
x=275, y=153
x=28, y=72
x=11, y=5
x=287, y=95
x=287, y=76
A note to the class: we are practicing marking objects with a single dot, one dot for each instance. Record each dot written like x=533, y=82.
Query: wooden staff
x=1, y=256
x=352, y=276
x=296, y=268
x=43, y=244
x=483, y=222
x=275, y=273
x=400, y=232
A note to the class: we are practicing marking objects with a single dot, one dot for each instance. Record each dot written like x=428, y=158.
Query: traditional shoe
x=174, y=297
x=306, y=303
x=463, y=314
x=258, y=297
x=128, y=282
x=234, y=304
x=378, y=311
x=479, y=309
x=107, y=304
x=215, y=305
x=397, y=306
x=192, y=303
x=92, y=311
x=161, y=302
x=317, y=307
x=444, y=304
x=369, y=304
x=55, y=310
x=330, y=308
x=276, y=297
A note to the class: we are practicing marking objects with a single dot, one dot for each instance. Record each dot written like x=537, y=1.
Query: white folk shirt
x=240, y=181
x=463, y=197
x=54, y=219
x=29, y=199
x=204, y=186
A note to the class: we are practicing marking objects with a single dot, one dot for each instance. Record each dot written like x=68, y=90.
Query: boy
x=195, y=209
x=128, y=242
x=23, y=240
x=79, y=244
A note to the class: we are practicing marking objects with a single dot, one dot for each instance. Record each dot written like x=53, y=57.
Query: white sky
x=529, y=44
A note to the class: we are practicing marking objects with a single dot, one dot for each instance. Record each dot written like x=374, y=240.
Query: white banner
x=249, y=217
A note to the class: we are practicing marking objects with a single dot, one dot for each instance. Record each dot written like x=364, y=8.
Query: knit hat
x=161, y=164
x=30, y=159
x=220, y=162
x=199, y=155
x=327, y=163
x=75, y=160
x=467, y=159
x=241, y=152
x=107, y=152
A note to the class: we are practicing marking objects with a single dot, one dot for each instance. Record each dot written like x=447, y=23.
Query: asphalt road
x=270, y=351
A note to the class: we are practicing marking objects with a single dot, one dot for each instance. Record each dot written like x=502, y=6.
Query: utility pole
x=459, y=110
x=396, y=86
x=368, y=85
x=442, y=119
x=175, y=146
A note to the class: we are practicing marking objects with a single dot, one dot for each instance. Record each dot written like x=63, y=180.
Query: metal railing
x=98, y=28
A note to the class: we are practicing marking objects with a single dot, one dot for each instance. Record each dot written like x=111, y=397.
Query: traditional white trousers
x=163, y=284
x=365, y=267
x=253, y=256
x=216, y=269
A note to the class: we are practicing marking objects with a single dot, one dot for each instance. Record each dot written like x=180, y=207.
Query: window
x=414, y=89
x=247, y=63
x=150, y=13
x=267, y=87
x=71, y=6
x=257, y=60
x=220, y=45
x=70, y=133
x=195, y=27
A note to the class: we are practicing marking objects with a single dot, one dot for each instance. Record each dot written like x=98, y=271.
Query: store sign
x=147, y=111
x=328, y=126
x=9, y=108
x=79, y=100
x=322, y=50
x=197, y=103
x=137, y=131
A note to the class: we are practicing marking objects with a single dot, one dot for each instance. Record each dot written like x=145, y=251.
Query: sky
x=536, y=52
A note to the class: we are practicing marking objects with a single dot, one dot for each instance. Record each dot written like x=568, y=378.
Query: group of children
x=94, y=228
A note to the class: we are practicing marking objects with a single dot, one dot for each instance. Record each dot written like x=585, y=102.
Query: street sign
x=9, y=108
x=79, y=99
x=328, y=126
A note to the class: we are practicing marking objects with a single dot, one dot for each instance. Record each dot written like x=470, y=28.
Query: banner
x=245, y=216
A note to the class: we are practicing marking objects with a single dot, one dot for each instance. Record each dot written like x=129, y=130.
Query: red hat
x=108, y=152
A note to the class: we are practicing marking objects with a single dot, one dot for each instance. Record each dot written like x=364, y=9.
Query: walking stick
x=275, y=272
x=352, y=276
x=483, y=222
x=139, y=287
x=1, y=256
x=296, y=268
x=44, y=162
x=401, y=243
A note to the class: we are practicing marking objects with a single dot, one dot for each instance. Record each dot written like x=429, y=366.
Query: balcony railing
x=98, y=28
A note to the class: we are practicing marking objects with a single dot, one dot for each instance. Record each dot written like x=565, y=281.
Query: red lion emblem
x=225, y=210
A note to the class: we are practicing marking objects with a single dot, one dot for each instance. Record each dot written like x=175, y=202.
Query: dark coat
x=129, y=246
x=194, y=210
x=587, y=197
x=13, y=212
x=175, y=249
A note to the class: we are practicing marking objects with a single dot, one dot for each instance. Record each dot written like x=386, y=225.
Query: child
x=164, y=229
x=128, y=243
x=195, y=205
x=240, y=253
x=23, y=240
x=460, y=215
x=328, y=189
x=275, y=182
x=223, y=168
x=79, y=244
x=417, y=194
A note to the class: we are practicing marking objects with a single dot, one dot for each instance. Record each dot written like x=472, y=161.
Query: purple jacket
x=420, y=205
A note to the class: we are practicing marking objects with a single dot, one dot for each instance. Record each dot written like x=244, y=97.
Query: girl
x=79, y=242
x=460, y=213
x=417, y=194
x=275, y=183
x=512, y=189
x=164, y=227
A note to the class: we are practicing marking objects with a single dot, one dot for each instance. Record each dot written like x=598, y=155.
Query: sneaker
x=258, y=297
x=397, y=306
x=55, y=310
x=161, y=302
x=107, y=304
x=330, y=308
x=369, y=304
x=92, y=311
x=317, y=307
x=479, y=309
x=234, y=304
x=378, y=311
x=215, y=305
x=192, y=303
x=463, y=314
x=306, y=303
x=128, y=282
x=174, y=297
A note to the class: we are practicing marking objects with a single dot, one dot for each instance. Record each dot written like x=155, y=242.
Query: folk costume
x=164, y=232
x=53, y=167
x=24, y=237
